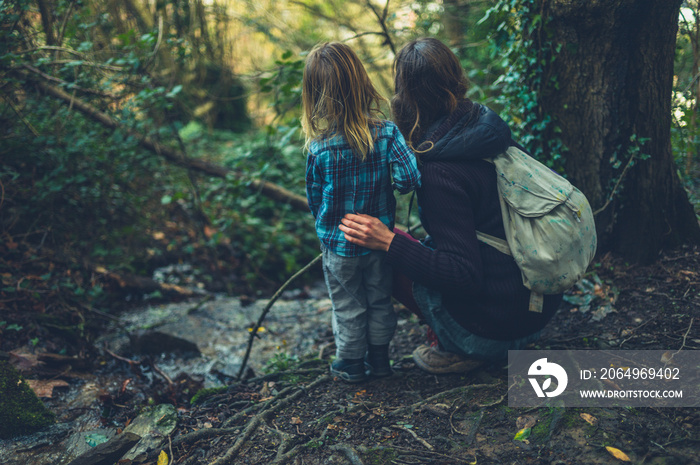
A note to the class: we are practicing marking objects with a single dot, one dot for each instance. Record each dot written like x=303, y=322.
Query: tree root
x=349, y=452
x=269, y=409
x=440, y=396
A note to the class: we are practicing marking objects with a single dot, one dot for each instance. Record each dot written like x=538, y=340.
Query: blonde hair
x=339, y=98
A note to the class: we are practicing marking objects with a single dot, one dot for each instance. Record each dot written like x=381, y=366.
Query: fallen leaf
x=526, y=421
x=602, y=311
x=618, y=454
x=44, y=388
x=163, y=458
x=590, y=419
x=523, y=434
x=24, y=361
x=598, y=290
x=209, y=231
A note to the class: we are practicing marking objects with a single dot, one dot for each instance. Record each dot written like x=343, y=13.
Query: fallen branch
x=413, y=433
x=268, y=189
x=143, y=284
x=254, y=329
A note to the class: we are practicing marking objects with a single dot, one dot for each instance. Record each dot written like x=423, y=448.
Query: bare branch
x=268, y=189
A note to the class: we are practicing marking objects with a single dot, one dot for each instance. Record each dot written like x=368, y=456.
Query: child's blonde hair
x=339, y=98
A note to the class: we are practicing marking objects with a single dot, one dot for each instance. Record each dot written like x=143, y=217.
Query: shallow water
x=219, y=328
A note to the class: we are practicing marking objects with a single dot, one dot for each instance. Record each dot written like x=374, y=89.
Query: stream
x=297, y=324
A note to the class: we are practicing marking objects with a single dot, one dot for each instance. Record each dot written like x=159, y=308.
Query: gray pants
x=360, y=290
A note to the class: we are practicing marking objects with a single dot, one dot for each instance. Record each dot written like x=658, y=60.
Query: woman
x=470, y=294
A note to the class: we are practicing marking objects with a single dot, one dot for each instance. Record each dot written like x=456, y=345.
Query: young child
x=354, y=160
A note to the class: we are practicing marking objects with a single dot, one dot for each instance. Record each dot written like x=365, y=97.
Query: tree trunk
x=452, y=20
x=614, y=75
x=47, y=21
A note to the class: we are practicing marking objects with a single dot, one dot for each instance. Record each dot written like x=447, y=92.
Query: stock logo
x=542, y=367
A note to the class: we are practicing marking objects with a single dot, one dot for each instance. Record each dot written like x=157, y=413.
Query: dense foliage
x=83, y=198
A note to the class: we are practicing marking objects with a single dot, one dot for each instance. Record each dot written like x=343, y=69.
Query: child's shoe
x=378, y=361
x=350, y=370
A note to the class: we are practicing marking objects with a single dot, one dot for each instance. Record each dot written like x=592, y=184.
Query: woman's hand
x=366, y=231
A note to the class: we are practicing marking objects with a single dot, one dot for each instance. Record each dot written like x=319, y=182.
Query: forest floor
x=300, y=415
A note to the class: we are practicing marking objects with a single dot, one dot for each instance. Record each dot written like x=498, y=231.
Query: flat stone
x=153, y=426
x=108, y=452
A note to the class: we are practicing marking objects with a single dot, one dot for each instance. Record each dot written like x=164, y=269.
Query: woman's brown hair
x=339, y=98
x=429, y=83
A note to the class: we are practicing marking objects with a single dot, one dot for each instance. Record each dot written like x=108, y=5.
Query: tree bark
x=614, y=76
x=47, y=21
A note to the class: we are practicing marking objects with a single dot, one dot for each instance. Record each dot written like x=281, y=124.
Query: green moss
x=204, y=394
x=554, y=418
x=542, y=429
x=21, y=411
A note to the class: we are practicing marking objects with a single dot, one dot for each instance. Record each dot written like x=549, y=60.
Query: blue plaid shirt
x=337, y=183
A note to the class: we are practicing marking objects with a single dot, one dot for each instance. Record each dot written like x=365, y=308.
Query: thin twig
x=162, y=373
x=382, y=22
x=123, y=359
x=617, y=184
x=454, y=428
x=413, y=433
x=22, y=118
x=74, y=87
x=254, y=330
x=685, y=336
x=170, y=447
x=62, y=31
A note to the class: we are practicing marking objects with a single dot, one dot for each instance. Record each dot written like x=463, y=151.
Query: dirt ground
x=300, y=415
x=303, y=416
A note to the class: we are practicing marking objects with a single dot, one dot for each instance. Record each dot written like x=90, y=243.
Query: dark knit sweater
x=481, y=288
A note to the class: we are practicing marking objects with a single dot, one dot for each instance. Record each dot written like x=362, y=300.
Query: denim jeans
x=454, y=338
x=360, y=291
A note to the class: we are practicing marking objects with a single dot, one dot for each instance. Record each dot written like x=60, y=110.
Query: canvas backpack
x=548, y=222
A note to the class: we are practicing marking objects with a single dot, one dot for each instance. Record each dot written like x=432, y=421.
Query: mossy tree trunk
x=612, y=101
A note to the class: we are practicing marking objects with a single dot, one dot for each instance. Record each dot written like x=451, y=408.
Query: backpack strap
x=496, y=242
x=536, y=299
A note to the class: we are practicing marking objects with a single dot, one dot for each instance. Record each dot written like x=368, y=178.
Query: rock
x=153, y=426
x=21, y=411
x=108, y=453
x=156, y=342
x=82, y=442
